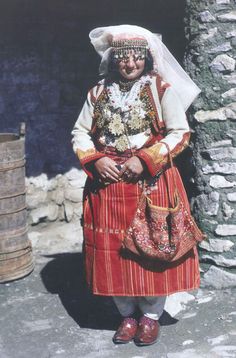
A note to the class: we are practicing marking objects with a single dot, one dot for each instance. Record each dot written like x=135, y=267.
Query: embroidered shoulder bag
x=161, y=233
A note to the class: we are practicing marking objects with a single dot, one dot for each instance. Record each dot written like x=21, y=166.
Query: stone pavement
x=50, y=313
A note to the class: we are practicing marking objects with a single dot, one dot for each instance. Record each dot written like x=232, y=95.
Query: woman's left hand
x=131, y=170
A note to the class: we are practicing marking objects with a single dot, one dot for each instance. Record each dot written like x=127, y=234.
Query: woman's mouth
x=129, y=71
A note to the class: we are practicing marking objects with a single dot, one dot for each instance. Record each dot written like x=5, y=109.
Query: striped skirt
x=108, y=212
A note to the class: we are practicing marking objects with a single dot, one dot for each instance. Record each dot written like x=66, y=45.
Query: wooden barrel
x=16, y=257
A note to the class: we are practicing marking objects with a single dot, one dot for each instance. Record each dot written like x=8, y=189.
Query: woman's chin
x=130, y=76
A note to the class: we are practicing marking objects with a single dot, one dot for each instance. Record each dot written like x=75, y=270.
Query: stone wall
x=210, y=60
x=59, y=198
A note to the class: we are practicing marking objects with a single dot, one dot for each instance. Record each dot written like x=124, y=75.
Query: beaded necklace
x=115, y=95
x=126, y=86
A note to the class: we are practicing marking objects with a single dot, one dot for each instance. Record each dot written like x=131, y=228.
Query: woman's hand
x=107, y=170
x=131, y=170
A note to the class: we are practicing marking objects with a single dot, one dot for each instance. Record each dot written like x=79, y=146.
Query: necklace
x=126, y=86
x=124, y=104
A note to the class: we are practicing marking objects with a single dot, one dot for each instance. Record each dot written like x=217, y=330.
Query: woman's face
x=131, y=66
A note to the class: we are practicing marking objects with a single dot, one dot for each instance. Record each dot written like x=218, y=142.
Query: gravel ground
x=50, y=313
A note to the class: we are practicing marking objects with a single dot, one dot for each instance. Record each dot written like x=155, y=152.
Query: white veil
x=164, y=62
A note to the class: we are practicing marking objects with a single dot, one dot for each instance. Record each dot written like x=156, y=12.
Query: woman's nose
x=130, y=63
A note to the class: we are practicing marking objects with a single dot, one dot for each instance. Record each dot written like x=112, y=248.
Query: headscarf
x=164, y=63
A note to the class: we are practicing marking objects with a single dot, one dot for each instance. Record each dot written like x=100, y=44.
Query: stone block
x=78, y=209
x=226, y=230
x=209, y=203
x=220, y=48
x=220, y=153
x=231, y=110
x=206, y=16
x=223, y=63
x=69, y=211
x=222, y=143
x=228, y=211
x=44, y=213
x=176, y=302
x=218, y=278
x=210, y=34
x=61, y=181
x=42, y=182
x=76, y=177
x=222, y=2
x=204, y=116
x=232, y=134
x=216, y=245
x=221, y=168
x=230, y=78
x=218, y=181
x=74, y=195
x=219, y=260
x=233, y=42
x=76, y=183
x=231, y=94
x=231, y=197
x=228, y=17
x=57, y=195
x=61, y=213
x=221, y=114
x=230, y=34
x=36, y=198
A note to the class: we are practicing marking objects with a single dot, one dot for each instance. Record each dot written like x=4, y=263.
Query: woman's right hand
x=107, y=170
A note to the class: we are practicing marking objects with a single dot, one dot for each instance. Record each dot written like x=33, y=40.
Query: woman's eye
x=134, y=58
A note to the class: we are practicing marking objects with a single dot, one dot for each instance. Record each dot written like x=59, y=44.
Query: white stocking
x=152, y=307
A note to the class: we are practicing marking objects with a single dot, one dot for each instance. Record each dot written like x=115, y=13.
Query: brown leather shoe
x=126, y=331
x=147, y=332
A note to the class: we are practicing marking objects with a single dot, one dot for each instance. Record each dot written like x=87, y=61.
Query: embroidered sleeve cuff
x=152, y=158
x=87, y=158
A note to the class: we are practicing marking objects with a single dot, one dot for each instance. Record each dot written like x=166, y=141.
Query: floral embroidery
x=136, y=118
x=116, y=126
x=114, y=122
x=122, y=143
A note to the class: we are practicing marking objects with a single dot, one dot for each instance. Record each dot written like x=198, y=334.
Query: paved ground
x=50, y=313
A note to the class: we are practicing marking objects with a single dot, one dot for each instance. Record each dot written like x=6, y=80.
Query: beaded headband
x=121, y=48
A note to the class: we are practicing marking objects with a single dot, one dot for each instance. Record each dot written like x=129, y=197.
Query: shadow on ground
x=64, y=275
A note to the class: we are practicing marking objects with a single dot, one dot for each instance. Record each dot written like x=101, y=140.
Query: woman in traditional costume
x=120, y=138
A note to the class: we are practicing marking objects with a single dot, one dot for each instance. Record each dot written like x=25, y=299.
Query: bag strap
x=145, y=189
x=173, y=176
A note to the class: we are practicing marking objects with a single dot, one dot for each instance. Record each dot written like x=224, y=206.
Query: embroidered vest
x=113, y=128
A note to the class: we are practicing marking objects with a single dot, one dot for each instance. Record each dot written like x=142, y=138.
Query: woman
x=118, y=139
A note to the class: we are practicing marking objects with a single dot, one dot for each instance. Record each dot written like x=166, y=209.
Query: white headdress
x=164, y=62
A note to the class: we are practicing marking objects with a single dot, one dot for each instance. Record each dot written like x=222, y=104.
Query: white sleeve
x=176, y=123
x=177, y=134
x=81, y=132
